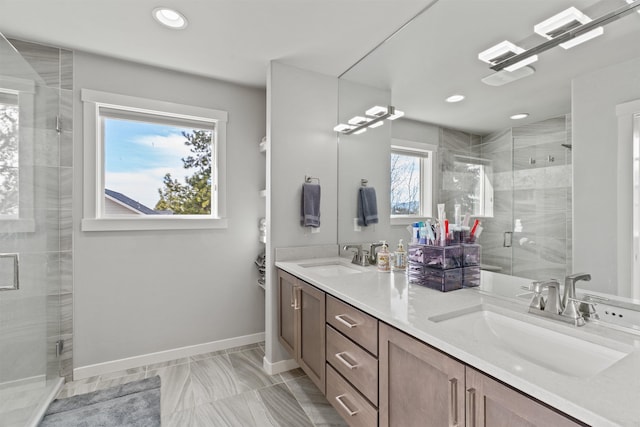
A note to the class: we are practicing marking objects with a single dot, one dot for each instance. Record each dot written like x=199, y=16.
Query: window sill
x=407, y=220
x=17, y=226
x=159, y=223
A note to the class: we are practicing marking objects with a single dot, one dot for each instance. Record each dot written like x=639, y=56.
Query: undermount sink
x=559, y=352
x=330, y=269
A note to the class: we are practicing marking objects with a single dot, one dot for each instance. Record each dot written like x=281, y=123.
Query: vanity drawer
x=356, y=365
x=348, y=402
x=358, y=326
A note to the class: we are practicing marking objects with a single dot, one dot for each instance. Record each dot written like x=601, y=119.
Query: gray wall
x=302, y=111
x=602, y=190
x=141, y=292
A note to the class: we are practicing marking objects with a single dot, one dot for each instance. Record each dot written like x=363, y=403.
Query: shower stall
x=529, y=234
x=518, y=183
x=32, y=251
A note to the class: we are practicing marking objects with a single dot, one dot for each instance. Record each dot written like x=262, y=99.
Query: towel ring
x=308, y=179
x=364, y=182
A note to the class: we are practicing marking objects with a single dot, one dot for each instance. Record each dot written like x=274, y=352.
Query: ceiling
x=436, y=56
x=231, y=40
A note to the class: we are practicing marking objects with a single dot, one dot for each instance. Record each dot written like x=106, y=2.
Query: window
x=9, y=155
x=16, y=154
x=411, y=181
x=158, y=165
x=470, y=180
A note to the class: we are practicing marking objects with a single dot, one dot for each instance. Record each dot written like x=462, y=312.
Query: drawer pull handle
x=342, y=319
x=346, y=408
x=471, y=406
x=453, y=402
x=298, y=294
x=340, y=357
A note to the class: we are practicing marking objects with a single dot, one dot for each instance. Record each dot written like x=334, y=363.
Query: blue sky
x=138, y=155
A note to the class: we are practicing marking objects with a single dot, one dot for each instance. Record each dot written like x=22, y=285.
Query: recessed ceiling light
x=455, y=98
x=170, y=18
x=519, y=116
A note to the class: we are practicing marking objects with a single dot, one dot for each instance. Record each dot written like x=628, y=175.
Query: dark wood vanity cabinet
x=377, y=375
x=352, y=363
x=493, y=404
x=301, y=325
x=419, y=386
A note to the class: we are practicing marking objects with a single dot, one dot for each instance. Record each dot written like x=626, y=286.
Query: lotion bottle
x=384, y=258
x=400, y=258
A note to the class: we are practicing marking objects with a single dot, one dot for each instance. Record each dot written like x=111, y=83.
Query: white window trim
x=426, y=198
x=25, y=90
x=94, y=165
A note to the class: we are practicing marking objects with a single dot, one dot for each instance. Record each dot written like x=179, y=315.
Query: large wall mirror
x=553, y=190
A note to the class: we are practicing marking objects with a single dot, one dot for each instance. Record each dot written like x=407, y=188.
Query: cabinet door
x=419, y=386
x=492, y=404
x=311, y=332
x=287, y=325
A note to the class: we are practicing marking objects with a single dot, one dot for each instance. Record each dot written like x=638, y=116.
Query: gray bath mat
x=133, y=404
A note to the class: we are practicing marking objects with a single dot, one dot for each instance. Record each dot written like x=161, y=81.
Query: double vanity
x=390, y=353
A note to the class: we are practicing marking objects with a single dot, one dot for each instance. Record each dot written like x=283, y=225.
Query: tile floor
x=226, y=388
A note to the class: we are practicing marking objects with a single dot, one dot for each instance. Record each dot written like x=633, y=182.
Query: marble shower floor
x=226, y=388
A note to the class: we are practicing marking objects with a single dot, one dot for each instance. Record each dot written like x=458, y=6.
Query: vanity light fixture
x=374, y=118
x=631, y=1
x=565, y=21
x=519, y=116
x=503, y=51
x=455, y=98
x=170, y=18
x=578, y=31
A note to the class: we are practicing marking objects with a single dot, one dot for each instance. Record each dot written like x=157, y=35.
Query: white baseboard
x=163, y=356
x=278, y=367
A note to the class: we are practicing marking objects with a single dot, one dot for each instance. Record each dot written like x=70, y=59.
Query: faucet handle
x=537, y=301
x=586, y=307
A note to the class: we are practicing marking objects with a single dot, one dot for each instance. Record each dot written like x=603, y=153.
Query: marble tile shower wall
x=533, y=200
x=45, y=297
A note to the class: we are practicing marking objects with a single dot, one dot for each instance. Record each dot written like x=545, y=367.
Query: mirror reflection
x=542, y=156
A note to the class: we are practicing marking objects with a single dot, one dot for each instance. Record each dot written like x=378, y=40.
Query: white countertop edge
x=549, y=397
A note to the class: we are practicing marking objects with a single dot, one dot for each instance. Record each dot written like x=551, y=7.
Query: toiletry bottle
x=400, y=258
x=384, y=258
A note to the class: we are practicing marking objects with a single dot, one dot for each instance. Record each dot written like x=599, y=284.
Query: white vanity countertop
x=610, y=397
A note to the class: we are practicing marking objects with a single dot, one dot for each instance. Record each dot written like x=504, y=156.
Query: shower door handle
x=508, y=239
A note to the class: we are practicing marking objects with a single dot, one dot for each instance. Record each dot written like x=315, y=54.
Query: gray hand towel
x=310, y=209
x=367, y=206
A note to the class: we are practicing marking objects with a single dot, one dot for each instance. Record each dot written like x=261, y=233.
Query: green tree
x=193, y=197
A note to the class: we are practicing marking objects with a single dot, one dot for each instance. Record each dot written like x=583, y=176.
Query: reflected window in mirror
x=17, y=140
x=411, y=177
x=471, y=181
x=9, y=154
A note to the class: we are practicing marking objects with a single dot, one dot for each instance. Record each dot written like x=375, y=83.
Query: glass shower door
x=529, y=234
x=29, y=238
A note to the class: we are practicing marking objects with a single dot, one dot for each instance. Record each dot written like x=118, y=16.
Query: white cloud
x=171, y=145
x=142, y=186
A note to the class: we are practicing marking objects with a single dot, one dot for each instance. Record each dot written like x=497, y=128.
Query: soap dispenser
x=400, y=258
x=384, y=258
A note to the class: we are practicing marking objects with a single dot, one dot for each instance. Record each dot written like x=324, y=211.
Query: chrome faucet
x=359, y=256
x=570, y=292
x=372, y=253
x=554, y=307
